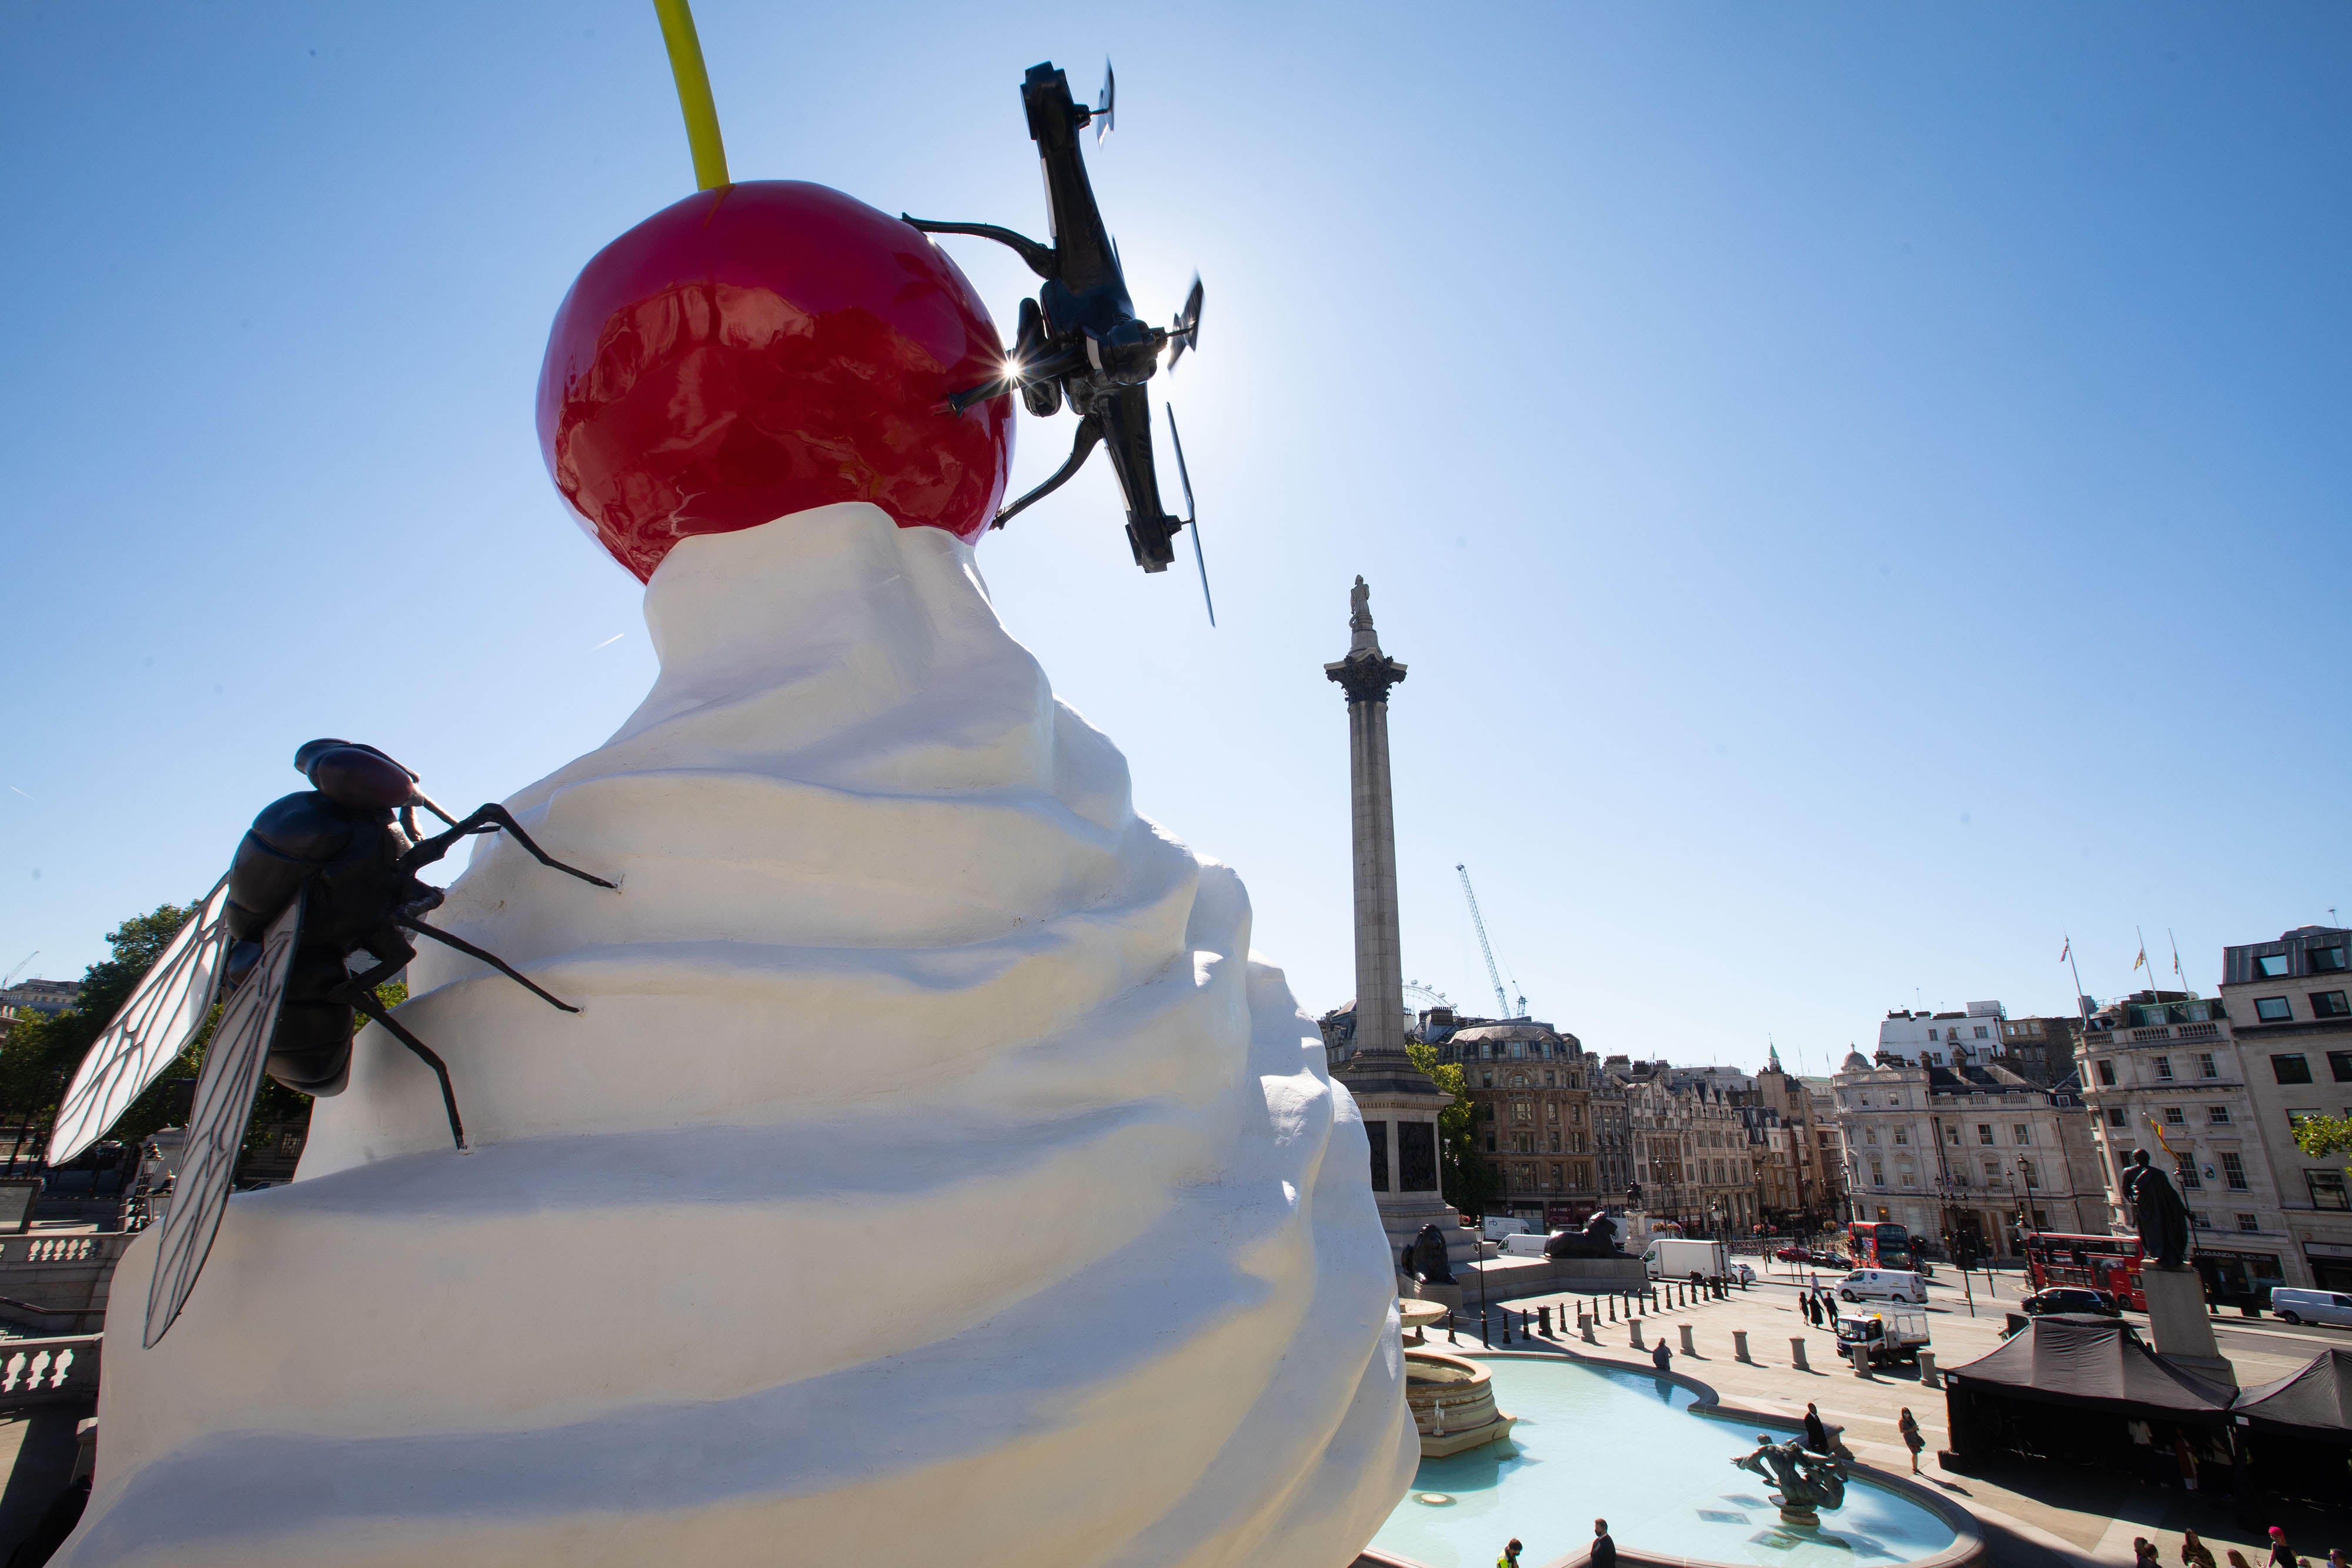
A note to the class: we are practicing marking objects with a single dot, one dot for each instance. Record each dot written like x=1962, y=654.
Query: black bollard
x=1486, y=1330
x=1450, y=1338
x=1612, y=1309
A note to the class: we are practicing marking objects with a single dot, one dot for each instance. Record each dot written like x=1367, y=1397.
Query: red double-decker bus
x=1879, y=1246
x=2109, y=1263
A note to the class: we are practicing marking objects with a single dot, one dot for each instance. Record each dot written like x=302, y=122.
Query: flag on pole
x=2142, y=959
x=2067, y=951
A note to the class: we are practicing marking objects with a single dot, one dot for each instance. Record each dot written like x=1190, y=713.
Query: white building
x=2290, y=1006
x=1942, y=1039
x=2161, y=1071
x=1965, y=1153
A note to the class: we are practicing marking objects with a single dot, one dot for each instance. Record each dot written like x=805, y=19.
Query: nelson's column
x=1399, y=1101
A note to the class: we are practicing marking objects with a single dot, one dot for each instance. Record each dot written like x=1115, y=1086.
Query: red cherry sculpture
x=759, y=349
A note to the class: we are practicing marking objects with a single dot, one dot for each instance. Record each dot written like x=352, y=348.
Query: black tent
x=2315, y=1402
x=2087, y=1389
x=2298, y=1430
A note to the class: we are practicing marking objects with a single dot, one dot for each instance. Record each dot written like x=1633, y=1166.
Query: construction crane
x=19, y=970
x=1478, y=922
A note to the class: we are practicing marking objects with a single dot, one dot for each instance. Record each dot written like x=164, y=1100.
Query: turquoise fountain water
x=1597, y=1442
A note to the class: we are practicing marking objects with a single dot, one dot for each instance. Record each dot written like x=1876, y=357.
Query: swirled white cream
x=929, y=1175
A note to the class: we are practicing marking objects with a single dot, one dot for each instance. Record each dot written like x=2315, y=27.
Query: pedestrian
x=1604, y=1550
x=2282, y=1554
x=1813, y=1309
x=2237, y=1558
x=1662, y=1358
x=1510, y=1557
x=2193, y=1551
x=2186, y=1458
x=2144, y=1554
x=1909, y=1428
x=1817, y=1436
x=2335, y=1558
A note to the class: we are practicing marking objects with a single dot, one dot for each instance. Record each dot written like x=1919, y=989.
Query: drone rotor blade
x=1186, y=332
x=1104, y=111
x=1192, y=512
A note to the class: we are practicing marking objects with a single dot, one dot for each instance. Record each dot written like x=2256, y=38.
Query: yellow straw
x=693, y=93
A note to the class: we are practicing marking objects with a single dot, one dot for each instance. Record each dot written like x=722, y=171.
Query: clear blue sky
x=1862, y=491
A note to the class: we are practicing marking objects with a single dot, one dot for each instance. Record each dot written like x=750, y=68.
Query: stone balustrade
x=48, y=1371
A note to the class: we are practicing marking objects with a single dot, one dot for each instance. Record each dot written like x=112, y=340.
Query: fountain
x=1452, y=1403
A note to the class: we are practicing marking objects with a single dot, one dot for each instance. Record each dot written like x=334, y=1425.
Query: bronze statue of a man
x=2157, y=1209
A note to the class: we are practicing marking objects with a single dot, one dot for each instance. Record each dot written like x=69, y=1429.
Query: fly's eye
x=361, y=779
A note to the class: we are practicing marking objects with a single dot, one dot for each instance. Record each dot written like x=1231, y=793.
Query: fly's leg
x=492, y=959
x=393, y=953
x=366, y=1002
x=488, y=819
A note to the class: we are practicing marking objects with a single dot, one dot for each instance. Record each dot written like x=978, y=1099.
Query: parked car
x=2299, y=1306
x=1883, y=1284
x=1741, y=1274
x=2071, y=1299
x=1794, y=1254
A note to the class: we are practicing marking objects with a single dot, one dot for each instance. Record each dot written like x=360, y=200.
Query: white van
x=2295, y=1306
x=1885, y=1284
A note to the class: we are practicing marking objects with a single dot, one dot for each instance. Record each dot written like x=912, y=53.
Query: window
x=2163, y=1069
x=2185, y=1166
x=1555, y=1145
x=2217, y=1116
x=2174, y=1116
x=1984, y=1133
x=1980, y=1031
x=1486, y=1081
x=1518, y=1051
x=1902, y=1134
x=1870, y=1134
x=2021, y=1134
x=1547, y=1080
x=1522, y=1112
x=2273, y=1009
x=1992, y=1173
x=1952, y=1133
x=2270, y=965
x=1377, y=1133
x=2330, y=1005
x=2106, y=1073
x=2115, y=1115
x=2327, y=1190
x=2196, y=1218
x=2205, y=1068
x=1555, y=1173
x=2325, y=960
x=2033, y=1175
x=2291, y=1068
x=1878, y=1176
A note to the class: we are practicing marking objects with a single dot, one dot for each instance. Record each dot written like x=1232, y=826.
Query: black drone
x=1080, y=338
x=325, y=878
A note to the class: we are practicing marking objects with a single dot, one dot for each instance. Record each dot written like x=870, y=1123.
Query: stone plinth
x=1452, y=1403
x=2178, y=1325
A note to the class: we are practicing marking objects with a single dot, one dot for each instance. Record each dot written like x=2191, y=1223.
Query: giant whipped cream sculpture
x=931, y=1173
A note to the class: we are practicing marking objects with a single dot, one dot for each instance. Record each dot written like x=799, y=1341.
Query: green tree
x=1469, y=1180
x=2320, y=1136
x=39, y=1054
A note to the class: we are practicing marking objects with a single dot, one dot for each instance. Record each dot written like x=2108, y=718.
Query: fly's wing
x=149, y=1031
x=216, y=1125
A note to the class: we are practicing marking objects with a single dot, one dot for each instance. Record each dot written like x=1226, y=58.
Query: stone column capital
x=1366, y=677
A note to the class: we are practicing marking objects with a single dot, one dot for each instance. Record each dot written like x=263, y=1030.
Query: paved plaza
x=2032, y=1516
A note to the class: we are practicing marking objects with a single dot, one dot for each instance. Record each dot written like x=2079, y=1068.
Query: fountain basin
x=1453, y=1402
x=1592, y=1440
